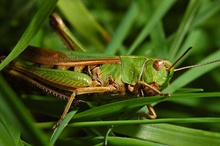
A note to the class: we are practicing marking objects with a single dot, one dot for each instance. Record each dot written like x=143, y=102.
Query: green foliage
x=145, y=27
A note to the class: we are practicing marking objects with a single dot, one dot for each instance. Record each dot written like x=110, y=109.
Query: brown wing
x=65, y=58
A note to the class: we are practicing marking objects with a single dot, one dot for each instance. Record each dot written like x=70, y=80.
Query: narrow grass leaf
x=208, y=10
x=194, y=73
x=119, y=141
x=116, y=107
x=84, y=22
x=156, y=17
x=61, y=127
x=157, y=35
x=36, y=23
x=111, y=141
x=105, y=110
x=123, y=28
x=17, y=113
x=170, y=134
x=10, y=134
x=146, y=121
x=189, y=15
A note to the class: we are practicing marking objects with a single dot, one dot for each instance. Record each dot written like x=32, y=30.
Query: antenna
x=197, y=65
x=179, y=59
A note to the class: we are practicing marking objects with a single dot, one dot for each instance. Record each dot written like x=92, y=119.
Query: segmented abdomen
x=63, y=79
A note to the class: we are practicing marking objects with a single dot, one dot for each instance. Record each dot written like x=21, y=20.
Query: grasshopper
x=71, y=74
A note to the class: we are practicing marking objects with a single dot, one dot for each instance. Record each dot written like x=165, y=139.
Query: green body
x=129, y=70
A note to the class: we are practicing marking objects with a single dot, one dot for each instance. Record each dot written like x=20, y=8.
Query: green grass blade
x=119, y=141
x=10, y=134
x=61, y=127
x=36, y=23
x=111, y=141
x=15, y=111
x=171, y=134
x=206, y=13
x=146, y=121
x=156, y=17
x=123, y=29
x=82, y=20
x=194, y=73
x=158, y=44
x=160, y=48
x=126, y=105
x=105, y=110
x=189, y=15
x=71, y=42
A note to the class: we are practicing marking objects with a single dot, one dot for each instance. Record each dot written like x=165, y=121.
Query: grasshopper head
x=160, y=71
x=156, y=71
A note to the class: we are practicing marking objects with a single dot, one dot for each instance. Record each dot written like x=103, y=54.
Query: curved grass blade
x=123, y=29
x=10, y=134
x=111, y=141
x=189, y=15
x=116, y=107
x=193, y=73
x=207, y=12
x=107, y=109
x=71, y=42
x=36, y=23
x=157, y=35
x=14, y=110
x=170, y=134
x=84, y=22
x=146, y=121
x=61, y=127
x=119, y=141
x=156, y=17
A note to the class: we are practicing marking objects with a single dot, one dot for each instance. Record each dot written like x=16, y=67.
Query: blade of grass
x=193, y=39
x=123, y=28
x=194, y=73
x=116, y=107
x=170, y=134
x=10, y=134
x=132, y=122
x=61, y=127
x=36, y=23
x=71, y=42
x=207, y=12
x=105, y=110
x=16, y=112
x=111, y=141
x=156, y=17
x=84, y=22
x=189, y=15
x=157, y=35
x=119, y=141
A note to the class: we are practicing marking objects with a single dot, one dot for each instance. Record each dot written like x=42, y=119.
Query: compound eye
x=158, y=64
